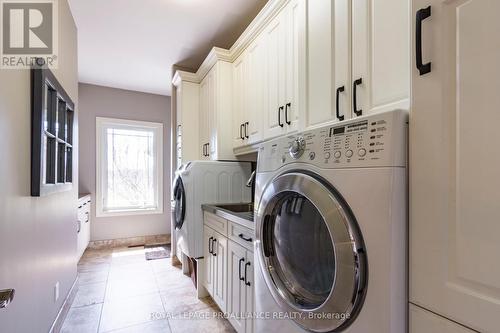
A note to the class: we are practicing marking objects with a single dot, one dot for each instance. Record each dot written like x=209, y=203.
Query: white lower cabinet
x=240, y=287
x=216, y=266
x=228, y=274
x=83, y=227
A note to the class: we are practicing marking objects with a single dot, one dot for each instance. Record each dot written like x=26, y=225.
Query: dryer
x=331, y=229
x=205, y=182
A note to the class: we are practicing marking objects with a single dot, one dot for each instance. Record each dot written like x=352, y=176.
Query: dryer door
x=311, y=252
x=179, y=202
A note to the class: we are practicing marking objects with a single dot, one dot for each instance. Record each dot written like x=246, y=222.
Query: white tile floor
x=120, y=291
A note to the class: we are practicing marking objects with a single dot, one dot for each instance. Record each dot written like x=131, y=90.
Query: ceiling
x=133, y=44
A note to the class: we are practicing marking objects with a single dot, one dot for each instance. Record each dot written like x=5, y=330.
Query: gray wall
x=98, y=101
x=37, y=235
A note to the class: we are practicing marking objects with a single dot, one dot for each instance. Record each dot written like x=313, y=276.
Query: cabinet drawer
x=241, y=235
x=215, y=222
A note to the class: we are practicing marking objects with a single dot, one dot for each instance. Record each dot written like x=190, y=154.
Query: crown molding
x=267, y=13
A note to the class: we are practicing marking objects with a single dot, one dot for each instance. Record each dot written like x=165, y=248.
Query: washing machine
x=331, y=229
x=205, y=182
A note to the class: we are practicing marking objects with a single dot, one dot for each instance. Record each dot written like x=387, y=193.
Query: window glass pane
x=61, y=120
x=61, y=162
x=49, y=160
x=131, y=169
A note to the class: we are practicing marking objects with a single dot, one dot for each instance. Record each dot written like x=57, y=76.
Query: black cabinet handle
x=213, y=252
x=239, y=269
x=422, y=14
x=249, y=239
x=209, y=243
x=339, y=90
x=354, y=96
x=246, y=281
x=246, y=130
x=287, y=108
x=203, y=150
x=241, y=132
x=279, y=116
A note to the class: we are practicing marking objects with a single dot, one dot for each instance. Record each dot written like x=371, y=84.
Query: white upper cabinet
x=249, y=90
x=380, y=56
x=284, y=38
x=328, y=62
x=187, y=105
x=454, y=179
x=357, y=59
x=215, y=113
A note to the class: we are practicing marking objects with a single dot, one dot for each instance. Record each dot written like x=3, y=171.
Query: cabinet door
x=454, y=179
x=274, y=124
x=256, y=88
x=220, y=271
x=208, y=259
x=250, y=291
x=236, y=302
x=212, y=113
x=329, y=52
x=380, y=55
x=294, y=56
x=204, y=125
x=239, y=102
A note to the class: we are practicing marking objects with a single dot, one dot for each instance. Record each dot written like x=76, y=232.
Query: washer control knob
x=362, y=152
x=312, y=156
x=348, y=153
x=337, y=154
x=297, y=148
x=327, y=155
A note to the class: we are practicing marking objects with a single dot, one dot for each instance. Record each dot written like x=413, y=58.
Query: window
x=129, y=167
x=52, y=135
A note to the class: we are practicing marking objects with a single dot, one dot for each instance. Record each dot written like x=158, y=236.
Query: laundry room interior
x=250, y=166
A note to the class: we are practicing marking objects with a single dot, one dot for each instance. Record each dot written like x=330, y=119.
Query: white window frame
x=101, y=162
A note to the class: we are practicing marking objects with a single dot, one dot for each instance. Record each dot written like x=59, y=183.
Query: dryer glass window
x=303, y=252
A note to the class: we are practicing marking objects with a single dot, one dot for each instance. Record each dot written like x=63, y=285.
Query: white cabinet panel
x=236, y=287
x=256, y=89
x=208, y=275
x=454, y=180
x=240, y=86
x=380, y=55
x=328, y=34
x=220, y=270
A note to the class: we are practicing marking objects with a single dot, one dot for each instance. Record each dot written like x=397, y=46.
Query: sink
x=237, y=208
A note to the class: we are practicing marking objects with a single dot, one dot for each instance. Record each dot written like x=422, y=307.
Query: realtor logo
x=28, y=33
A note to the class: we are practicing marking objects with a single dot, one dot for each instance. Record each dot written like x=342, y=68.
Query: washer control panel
x=368, y=141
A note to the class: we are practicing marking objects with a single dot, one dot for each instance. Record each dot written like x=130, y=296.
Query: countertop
x=245, y=219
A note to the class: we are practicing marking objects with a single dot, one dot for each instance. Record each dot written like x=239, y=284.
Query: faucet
x=251, y=180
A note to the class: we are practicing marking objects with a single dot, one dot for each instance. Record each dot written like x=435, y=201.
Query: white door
x=212, y=113
x=239, y=90
x=236, y=291
x=208, y=237
x=380, y=56
x=329, y=52
x=274, y=124
x=248, y=272
x=220, y=270
x=256, y=88
x=454, y=179
x=204, y=109
x=422, y=321
x=294, y=56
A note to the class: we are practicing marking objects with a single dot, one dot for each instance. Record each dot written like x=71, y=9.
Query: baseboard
x=130, y=241
x=66, y=306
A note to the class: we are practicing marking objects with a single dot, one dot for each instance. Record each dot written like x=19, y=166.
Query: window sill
x=131, y=212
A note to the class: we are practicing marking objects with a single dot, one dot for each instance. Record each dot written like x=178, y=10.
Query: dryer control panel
x=370, y=141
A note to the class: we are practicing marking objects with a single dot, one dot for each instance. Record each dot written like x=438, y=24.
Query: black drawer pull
x=355, y=98
x=239, y=269
x=287, y=108
x=339, y=90
x=246, y=281
x=246, y=130
x=422, y=14
x=241, y=132
x=249, y=239
x=279, y=116
x=210, y=243
x=213, y=252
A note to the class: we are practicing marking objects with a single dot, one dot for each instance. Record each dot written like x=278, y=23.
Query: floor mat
x=160, y=251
